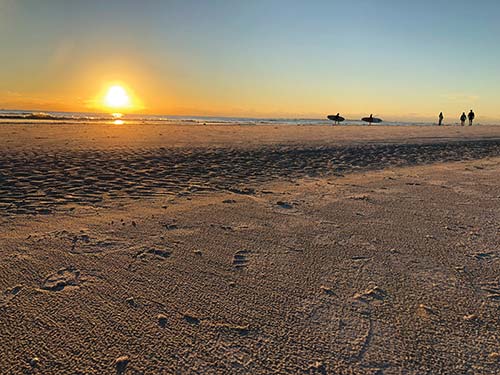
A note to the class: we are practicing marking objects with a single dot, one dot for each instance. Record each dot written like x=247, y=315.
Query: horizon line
x=422, y=118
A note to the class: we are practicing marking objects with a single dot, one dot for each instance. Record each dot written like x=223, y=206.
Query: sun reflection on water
x=117, y=118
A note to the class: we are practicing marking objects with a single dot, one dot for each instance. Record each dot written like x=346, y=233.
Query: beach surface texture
x=191, y=249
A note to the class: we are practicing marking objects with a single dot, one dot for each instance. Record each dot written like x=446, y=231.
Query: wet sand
x=43, y=171
x=338, y=251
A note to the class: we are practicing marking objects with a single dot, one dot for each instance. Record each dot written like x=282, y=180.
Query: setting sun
x=117, y=97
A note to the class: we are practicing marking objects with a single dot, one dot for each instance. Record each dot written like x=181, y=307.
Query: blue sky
x=398, y=59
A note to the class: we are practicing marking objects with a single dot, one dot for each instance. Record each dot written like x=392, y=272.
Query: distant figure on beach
x=462, y=119
x=441, y=117
x=372, y=120
x=337, y=119
x=471, y=117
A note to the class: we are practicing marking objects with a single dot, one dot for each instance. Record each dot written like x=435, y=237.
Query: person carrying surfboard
x=471, y=117
x=371, y=120
x=463, y=118
x=337, y=119
x=441, y=117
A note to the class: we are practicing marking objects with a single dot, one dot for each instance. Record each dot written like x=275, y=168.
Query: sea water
x=38, y=117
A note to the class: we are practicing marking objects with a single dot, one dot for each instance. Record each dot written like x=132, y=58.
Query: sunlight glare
x=117, y=97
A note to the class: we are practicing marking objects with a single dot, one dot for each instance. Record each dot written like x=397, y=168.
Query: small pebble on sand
x=470, y=317
x=326, y=290
x=425, y=312
x=495, y=356
x=121, y=364
x=34, y=361
x=162, y=320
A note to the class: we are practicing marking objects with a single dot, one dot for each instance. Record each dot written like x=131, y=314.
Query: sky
x=398, y=59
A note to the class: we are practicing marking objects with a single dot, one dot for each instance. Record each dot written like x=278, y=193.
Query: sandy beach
x=179, y=249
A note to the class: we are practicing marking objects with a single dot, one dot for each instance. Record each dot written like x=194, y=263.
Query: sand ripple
x=38, y=182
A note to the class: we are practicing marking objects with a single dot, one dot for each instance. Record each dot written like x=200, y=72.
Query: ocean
x=38, y=117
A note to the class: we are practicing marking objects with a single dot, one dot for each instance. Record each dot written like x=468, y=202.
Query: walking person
x=441, y=117
x=462, y=119
x=471, y=117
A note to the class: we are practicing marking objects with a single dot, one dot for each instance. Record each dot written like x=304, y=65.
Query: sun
x=117, y=97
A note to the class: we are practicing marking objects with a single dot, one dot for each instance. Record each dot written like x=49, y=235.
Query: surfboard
x=373, y=120
x=335, y=118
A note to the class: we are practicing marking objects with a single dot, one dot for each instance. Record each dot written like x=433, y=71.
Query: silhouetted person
x=338, y=122
x=462, y=119
x=471, y=117
x=441, y=117
x=371, y=119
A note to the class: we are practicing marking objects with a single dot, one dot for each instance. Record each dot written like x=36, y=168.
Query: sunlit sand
x=325, y=250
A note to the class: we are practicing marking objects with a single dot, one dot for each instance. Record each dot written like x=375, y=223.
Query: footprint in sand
x=9, y=294
x=171, y=226
x=240, y=259
x=64, y=278
x=82, y=243
x=485, y=256
x=493, y=290
x=157, y=253
x=191, y=319
x=355, y=333
x=285, y=205
x=231, y=329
